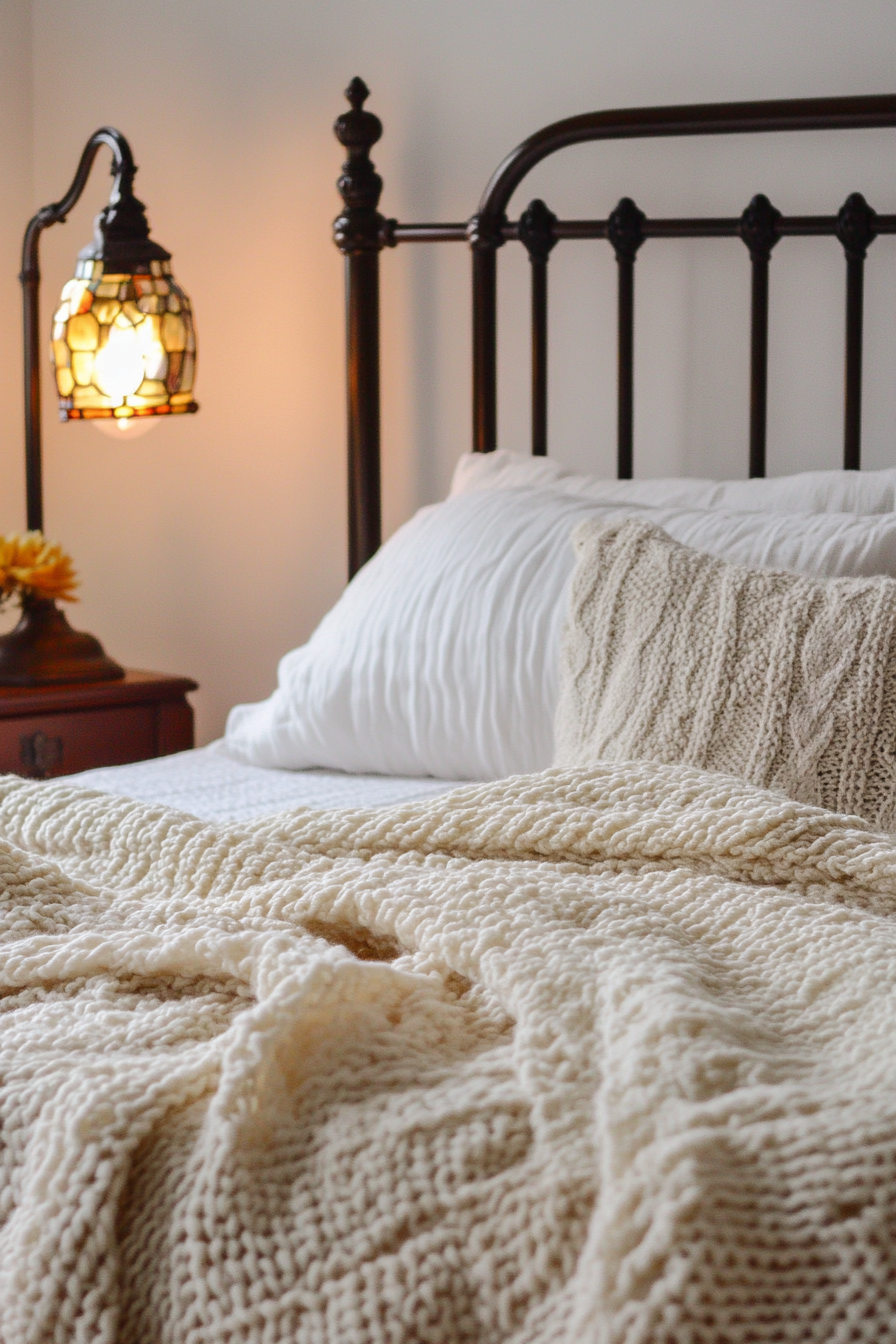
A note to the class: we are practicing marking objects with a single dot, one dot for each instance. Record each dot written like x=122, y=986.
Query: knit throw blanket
x=580, y=1056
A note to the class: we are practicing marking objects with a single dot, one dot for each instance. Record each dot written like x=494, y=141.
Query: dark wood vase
x=44, y=650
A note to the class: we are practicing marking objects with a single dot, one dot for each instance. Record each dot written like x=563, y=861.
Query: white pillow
x=807, y=492
x=441, y=656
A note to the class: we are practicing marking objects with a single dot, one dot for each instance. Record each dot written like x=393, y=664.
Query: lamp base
x=43, y=650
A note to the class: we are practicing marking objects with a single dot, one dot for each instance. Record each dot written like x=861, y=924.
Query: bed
x=223, y=782
x=522, y=969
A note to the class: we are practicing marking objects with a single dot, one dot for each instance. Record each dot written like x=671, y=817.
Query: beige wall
x=15, y=207
x=214, y=544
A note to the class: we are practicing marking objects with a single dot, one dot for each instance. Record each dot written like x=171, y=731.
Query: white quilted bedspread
x=210, y=784
x=581, y=1056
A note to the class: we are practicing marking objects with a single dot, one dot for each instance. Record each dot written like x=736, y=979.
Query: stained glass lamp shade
x=123, y=343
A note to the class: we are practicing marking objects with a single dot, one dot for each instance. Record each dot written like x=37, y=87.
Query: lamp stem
x=34, y=500
x=123, y=168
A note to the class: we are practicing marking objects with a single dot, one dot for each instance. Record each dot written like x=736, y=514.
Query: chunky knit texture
x=790, y=682
x=587, y=1056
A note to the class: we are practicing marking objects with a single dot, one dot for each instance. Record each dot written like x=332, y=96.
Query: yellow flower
x=31, y=564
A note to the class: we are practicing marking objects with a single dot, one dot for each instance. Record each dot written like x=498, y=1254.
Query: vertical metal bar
x=363, y=386
x=856, y=230
x=852, y=410
x=536, y=232
x=625, y=399
x=758, y=363
x=760, y=229
x=485, y=353
x=539, y=356
x=625, y=230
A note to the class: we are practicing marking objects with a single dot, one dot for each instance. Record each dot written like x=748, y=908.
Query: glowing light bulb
x=118, y=367
x=126, y=430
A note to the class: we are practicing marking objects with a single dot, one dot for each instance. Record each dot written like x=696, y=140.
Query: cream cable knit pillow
x=671, y=655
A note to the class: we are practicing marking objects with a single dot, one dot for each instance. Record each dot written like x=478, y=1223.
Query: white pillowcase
x=807, y=492
x=441, y=656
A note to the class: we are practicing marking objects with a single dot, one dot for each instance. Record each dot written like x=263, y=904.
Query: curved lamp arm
x=123, y=170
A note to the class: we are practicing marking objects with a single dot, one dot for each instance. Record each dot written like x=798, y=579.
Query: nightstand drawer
x=59, y=730
x=61, y=744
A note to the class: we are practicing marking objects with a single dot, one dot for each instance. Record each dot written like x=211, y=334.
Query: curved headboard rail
x=362, y=232
x=488, y=230
x=634, y=123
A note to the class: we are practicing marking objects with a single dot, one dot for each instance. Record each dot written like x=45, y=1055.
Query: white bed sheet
x=210, y=784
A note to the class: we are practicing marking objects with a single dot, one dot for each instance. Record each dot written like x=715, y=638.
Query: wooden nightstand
x=58, y=730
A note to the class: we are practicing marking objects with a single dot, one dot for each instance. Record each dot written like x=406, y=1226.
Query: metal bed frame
x=361, y=233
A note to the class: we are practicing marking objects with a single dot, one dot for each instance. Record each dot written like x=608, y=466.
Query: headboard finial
x=357, y=93
x=360, y=184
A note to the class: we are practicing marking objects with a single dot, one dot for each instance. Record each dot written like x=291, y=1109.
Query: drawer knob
x=40, y=754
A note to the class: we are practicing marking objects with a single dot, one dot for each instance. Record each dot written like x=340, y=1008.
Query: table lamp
x=123, y=349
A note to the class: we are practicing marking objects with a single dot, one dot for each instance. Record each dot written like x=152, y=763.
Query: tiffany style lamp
x=123, y=349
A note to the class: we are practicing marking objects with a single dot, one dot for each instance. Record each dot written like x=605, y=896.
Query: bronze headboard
x=361, y=233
